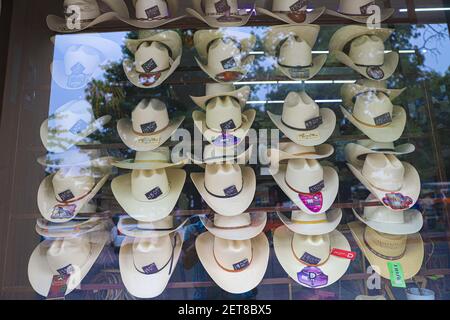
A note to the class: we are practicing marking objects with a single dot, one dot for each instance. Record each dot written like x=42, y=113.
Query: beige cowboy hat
x=376, y=116
x=227, y=188
x=236, y=266
x=156, y=56
x=312, y=224
x=90, y=14
x=150, y=160
x=156, y=229
x=292, y=47
x=366, y=51
x=311, y=186
x=75, y=158
x=396, y=184
x=241, y=227
x=292, y=11
x=359, y=10
x=307, y=258
x=220, y=13
x=290, y=150
x=73, y=228
x=224, y=54
x=381, y=248
x=149, y=126
x=220, y=155
x=69, y=125
x=303, y=122
x=217, y=90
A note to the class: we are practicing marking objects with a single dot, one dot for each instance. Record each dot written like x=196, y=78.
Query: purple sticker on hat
x=226, y=139
x=313, y=202
x=241, y=265
x=78, y=127
x=150, y=269
x=397, y=201
x=312, y=277
x=153, y=12
x=66, y=195
x=63, y=212
x=154, y=194
x=231, y=191
x=310, y=259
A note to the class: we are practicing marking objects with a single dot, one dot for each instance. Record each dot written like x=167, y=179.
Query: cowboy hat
x=150, y=160
x=220, y=13
x=358, y=10
x=156, y=56
x=236, y=266
x=69, y=125
x=303, y=121
x=90, y=14
x=312, y=224
x=292, y=11
x=310, y=186
x=75, y=158
x=216, y=155
x=290, y=150
x=73, y=228
x=292, y=46
x=149, y=126
x=227, y=188
x=366, y=51
x=381, y=248
x=216, y=90
x=160, y=228
x=307, y=258
x=396, y=184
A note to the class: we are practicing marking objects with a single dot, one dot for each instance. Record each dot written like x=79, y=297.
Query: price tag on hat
x=396, y=274
x=343, y=254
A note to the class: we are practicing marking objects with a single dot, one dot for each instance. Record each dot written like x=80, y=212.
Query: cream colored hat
x=75, y=158
x=237, y=266
x=69, y=125
x=358, y=10
x=292, y=46
x=217, y=90
x=161, y=228
x=227, y=188
x=312, y=224
x=292, y=11
x=366, y=54
x=73, y=228
x=289, y=150
x=150, y=160
x=303, y=121
x=219, y=155
x=396, y=184
x=381, y=248
x=90, y=14
x=156, y=56
x=310, y=186
x=220, y=13
x=307, y=258
x=149, y=126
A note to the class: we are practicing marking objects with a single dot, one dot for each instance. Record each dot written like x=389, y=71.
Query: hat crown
x=367, y=51
x=233, y=254
x=213, y=89
x=385, y=244
x=370, y=83
x=72, y=118
x=81, y=60
x=212, y=152
x=354, y=7
x=149, y=185
x=295, y=52
x=296, y=149
x=66, y=252
x=152, y=57
x=220, y=7
x=89, y=9
x=304, y=175
x=223, y=114
x=289, y=5
x=383, y=215
x=151, y=9
x=373, y=108
x=384, y=171
x=70, y=184
x=165, y=223
x=150, y=116
x=151, y=254
x=224, y=55
x=299, y=108
x=312, y=249
x=223, y=180
x=239, y=221
x=162, y=154
x=303, y=217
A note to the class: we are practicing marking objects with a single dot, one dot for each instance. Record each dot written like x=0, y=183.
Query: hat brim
x=70, y=229
x=62, y=79
x=242, y=158
x=354, y=151
x=347, y=33
x=132, y=165
x=229, y=206
x=234, y=282
x=311, y=16
x=50, y=161
x=240, y=94
x=334, y=268
x=108, y=48
x=149, y=24
x=318, y=63
x=169, y=38
x=213, y=22
x=129, y=227
x=278, y=155
x=334, y=217
x=348, y=91
x=59, y=24
x=246, y=62
x=385, y=14
x=276, y=34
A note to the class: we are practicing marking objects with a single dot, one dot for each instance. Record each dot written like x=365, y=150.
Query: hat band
x=149, y=134
x=371, y=125
x=300, y=192
x=309, y=222
x=383, y=149
x=225, y=197
x=305, y=263
x=295, y=67
x=151, y=161
x=380, y=255
x=154, y=19
x=174, y=244
x=384, y=190
x=244, y=120
x=314, y=127
x=232, y=270
x=75, y=199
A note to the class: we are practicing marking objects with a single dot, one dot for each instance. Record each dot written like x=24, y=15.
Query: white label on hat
x=312, y=135
x=78, y=127
x=149, y=127
x=152, y=12
x=310, y=259
x=317, y=187
x=365, y=7
x=152, y=140
x=299, y=73
x=66, y=195
x=383, y=119
x=229, y=63
x=150, y=269
x=241, y=265
x=63, y=212
x=154, y=194
x=231, y=191
x=298, y=5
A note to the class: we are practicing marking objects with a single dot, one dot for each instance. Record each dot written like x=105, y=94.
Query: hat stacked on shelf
x=292, y=11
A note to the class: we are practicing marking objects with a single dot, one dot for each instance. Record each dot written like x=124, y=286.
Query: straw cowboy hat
x=81, y=59
x=292, y=11
x=224, y=54
x=312, y=224
x=73, y=228
x=381, y=248
x=217, y=90
x=227, y=188
x=64, y=261
x=156, y=56
x=216, y=155
x=359, y=11
x=237, y=266
x=292, y=46
x=311, y=186
x=220, y=13
x=396, y=184
x=75, y=158
x=150, y=160
x=156, y=229
x=303, y=121
x=290, y=150
x=69, y=125
x=151, y=14
x=376, y=116
x=149, y=126
x=366, y=51
x=307, y=258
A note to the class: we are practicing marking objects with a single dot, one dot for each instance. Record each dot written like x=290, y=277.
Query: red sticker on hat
x=58, y=287
x=313, y=202
x=343, y=254
x=397, y=201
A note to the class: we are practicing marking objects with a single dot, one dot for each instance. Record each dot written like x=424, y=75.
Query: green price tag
x=396, y=274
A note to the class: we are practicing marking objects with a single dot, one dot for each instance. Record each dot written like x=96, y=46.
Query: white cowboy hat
x=217, y=90
x=381, y=248
x=216, y=155
x=65, y=257
x=160, y=228
x=236, y=266
x=374, y=114
x=150, y=160
x=311, y=186
x=227, y=188
x=90, y=14
x=366, y=51
x=292, y=11
x=241, y=227
x=156, y=56
x=75, y=158
x=358, y=10
x=220, y=13
x=73, y=228
x=150, y=14
x=149, y=126
x=149, y=195
x=69, y=125
x=290, y=150
x=396, y=184
x=312, y=224
x=307, y=258
x=303, y=122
